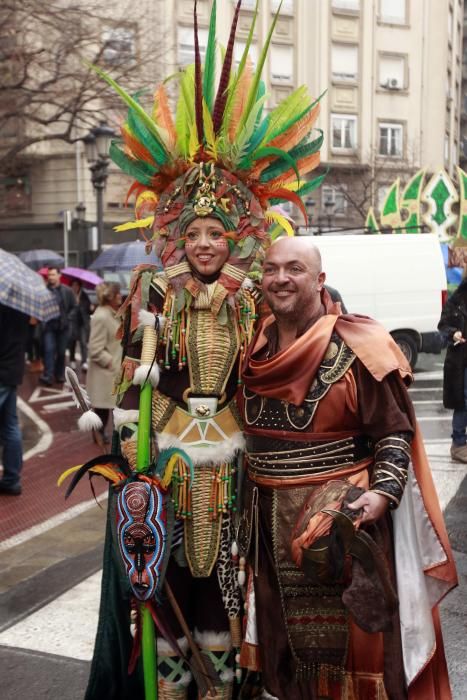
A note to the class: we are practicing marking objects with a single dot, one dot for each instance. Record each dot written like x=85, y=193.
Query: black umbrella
x=124, y=256
x=35, y=259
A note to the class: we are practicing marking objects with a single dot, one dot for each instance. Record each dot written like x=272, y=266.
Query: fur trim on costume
x=213, y=641
x=227, y=675
x=141, y=375
x=146, y=318
x=212, y=453
x=122, y=416
x=89, y=421
x=164, y=648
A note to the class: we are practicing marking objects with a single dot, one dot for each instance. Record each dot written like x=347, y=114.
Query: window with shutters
x=344, y=62
x=186, y=45
x=281, y=62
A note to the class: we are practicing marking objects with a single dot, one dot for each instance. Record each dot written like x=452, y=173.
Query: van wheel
x=408, y=346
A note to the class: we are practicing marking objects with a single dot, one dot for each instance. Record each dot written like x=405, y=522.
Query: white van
x=398, y=279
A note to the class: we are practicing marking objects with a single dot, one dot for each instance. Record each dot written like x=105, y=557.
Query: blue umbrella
x=35, y=259
x=24, y=290
x=124, y=256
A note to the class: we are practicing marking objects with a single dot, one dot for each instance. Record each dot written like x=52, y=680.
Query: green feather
x=295, y=118
x=311, y=185
x=210, y=61
x=185, y=109
x=301, y=151
x=290, y=108
x=142, y=172
x=257, y=76
x=243, y=139
x=282, y=155
x=133, y=104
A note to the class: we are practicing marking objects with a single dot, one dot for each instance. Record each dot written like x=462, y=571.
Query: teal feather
x=210, y=61
x=166, y=454
x=301, y=151
x=139, y=170
x=144, y=136
x=283, y=156
x=311, y=185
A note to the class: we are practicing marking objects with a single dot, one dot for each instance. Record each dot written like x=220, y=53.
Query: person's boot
x=459, y=453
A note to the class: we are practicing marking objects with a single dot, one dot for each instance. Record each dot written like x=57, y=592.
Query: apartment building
x=391, y=71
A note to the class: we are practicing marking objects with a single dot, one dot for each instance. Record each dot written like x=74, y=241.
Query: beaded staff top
x=220, y=155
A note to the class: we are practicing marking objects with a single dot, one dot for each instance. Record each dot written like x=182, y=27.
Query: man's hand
x=374, y=506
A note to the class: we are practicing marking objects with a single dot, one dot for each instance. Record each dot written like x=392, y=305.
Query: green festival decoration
x=422, y=206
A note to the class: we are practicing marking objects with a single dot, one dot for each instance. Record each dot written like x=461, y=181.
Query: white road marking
x=66, y=626
x=432, y=418
x=54, y=521
x=416, y=402
x=54, y=407
x=42, y=394
x=425, y=388
x=46, y=438
x=433, y=374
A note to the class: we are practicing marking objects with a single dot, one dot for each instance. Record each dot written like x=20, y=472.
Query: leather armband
x=392, y=458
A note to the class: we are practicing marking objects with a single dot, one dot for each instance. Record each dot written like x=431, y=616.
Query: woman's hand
x=458, y=338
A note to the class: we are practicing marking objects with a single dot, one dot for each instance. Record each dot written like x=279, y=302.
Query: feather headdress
x=217, y=129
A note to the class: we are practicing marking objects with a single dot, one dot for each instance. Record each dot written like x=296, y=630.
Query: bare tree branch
x=47, y=90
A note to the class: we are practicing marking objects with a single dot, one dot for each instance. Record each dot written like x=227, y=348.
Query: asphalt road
x=48, y=619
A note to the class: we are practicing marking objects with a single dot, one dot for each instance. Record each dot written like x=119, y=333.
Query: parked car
x=398, y=279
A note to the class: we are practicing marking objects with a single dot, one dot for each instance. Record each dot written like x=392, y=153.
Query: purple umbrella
x=89, y=279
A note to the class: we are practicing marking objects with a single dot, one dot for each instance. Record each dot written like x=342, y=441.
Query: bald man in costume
x=339, y=498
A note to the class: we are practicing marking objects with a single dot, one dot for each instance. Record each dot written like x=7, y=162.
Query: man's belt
x=291, y=460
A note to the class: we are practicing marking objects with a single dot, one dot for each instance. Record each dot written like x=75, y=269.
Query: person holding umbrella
x=22, y=296
x=80, y=320
x=56, y=331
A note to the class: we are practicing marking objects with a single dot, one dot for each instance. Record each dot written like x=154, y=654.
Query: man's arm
x=388, y=418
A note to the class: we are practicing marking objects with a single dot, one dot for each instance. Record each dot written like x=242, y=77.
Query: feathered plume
x=89, y=420
x=221, y=97
x=198, y=80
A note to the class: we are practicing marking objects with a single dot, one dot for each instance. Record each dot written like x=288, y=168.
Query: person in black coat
x=453, y=326
x=57, y=331
x=13, y=339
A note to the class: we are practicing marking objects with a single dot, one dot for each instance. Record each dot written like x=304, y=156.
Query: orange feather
x=163, y=116
x=304, y=166
x=134, y=148
x=241, y=98
x=288, y=140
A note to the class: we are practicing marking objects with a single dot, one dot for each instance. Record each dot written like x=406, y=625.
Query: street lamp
x=329, y=208
x=96, y=145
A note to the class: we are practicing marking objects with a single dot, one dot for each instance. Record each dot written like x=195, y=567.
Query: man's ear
x=321, y=280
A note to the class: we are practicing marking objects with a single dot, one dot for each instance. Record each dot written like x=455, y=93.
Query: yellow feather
x=67, y=473
x=139, y=223
x=107, y=472
x=274, y=216
x=193, y=144
x=211, y=140
x=168, y=471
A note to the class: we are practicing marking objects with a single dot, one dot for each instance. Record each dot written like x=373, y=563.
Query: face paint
x=141, y=533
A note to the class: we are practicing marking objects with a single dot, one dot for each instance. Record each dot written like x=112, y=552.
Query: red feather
x=221, y=97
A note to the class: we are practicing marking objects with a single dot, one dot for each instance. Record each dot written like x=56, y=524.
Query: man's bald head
x=293, y=279
x=299, y=247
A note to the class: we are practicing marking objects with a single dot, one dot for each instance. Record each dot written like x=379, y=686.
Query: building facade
x=391, y=71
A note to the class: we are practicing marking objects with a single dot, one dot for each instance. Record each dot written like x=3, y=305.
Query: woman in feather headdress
x=205, y=184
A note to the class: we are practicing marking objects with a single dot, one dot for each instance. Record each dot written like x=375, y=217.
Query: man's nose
x=282, y=275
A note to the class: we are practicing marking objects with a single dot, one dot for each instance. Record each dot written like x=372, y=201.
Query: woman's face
x=205, y=246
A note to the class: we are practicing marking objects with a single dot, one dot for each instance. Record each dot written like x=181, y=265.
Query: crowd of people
x=42, y=347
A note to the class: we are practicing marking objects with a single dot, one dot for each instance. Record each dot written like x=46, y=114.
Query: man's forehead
x=292, y=250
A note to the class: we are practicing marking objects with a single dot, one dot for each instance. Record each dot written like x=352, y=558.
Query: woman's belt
x=290, y=462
